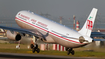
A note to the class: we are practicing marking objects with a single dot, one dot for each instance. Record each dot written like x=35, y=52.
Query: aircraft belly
x=67, y=43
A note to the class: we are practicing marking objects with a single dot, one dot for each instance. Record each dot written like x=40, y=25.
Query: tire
x=72, y=52
x=33, y=50
x=68, y=52
x=38, y=50
x=31, y=46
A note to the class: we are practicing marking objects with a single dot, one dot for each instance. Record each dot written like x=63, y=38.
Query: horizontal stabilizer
x=98, y=34
x=99, y=39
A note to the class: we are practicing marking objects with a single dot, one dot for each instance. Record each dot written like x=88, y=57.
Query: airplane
x=49, y=31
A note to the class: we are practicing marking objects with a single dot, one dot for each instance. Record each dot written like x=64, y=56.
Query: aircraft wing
x=26, y=31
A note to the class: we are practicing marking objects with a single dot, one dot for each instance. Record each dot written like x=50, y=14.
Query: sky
x=55, y=9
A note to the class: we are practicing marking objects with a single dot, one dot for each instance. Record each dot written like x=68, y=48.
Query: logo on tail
x=89, y=24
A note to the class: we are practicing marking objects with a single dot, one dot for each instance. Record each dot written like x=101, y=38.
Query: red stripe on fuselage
x=47, y=31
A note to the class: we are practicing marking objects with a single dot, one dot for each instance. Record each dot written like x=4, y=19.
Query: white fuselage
x=57, y=33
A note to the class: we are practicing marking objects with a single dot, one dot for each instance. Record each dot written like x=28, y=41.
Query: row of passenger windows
x=42, y=26
x=23, y=18
x=52, y=30
x=58, y=33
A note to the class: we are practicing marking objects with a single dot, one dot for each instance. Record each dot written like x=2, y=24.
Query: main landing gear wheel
x=35, y=48
x=70, y=50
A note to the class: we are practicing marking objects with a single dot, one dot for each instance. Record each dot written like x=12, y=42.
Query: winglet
x=88, y=26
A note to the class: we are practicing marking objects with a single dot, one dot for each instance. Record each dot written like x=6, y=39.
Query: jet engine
x=13, y=35
x=18, y=37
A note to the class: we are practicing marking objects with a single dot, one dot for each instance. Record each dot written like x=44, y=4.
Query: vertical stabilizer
x=88, y=26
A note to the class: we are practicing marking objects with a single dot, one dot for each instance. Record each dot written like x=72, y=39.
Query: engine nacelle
x=18, y=37
x=11, y=35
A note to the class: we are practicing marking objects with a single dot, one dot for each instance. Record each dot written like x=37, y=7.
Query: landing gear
x=70, y=50
x=35, y=48
x=34, y=45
